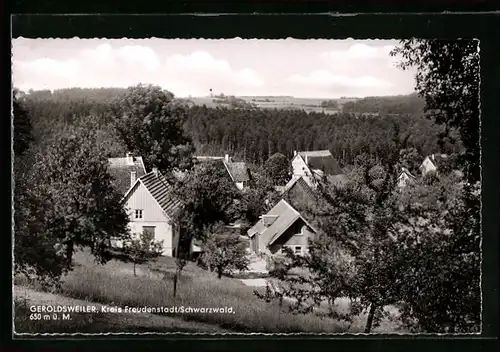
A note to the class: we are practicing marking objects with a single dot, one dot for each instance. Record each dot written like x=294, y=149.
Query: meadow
x=114, y=284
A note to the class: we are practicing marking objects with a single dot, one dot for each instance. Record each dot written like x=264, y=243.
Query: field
x=278, y=102
x=113, y=285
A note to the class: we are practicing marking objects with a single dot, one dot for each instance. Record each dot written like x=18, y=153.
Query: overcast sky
x=300, y=68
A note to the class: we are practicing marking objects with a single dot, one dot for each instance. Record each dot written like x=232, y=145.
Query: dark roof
x=238, y=171
x=120, y=169
x=161, y=190
x=322, y=160
x=298, y=181
x=286, y=217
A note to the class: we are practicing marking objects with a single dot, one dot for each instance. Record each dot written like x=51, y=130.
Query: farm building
x=151, y=207
x=282, y=226
x=315, y=164
x=125, y=171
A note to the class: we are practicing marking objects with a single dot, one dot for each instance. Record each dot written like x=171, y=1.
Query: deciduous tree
x=151, y=124
x=142, y=248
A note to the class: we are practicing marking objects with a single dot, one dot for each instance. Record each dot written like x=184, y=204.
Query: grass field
x=277, y=102
x=114, y=285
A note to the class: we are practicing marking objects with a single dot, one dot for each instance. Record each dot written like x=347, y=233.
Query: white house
x=151, y=207
x=431, y=163
x=405, y=178
x=316, y=164
x=282, y=226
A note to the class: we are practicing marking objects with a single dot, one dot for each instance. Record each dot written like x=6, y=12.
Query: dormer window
x=138, y=213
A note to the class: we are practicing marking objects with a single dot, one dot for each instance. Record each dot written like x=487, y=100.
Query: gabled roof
x=237, y=170
x=321, y=160
x=406, y=172
x=120, y=169
x=436, y=159
x=297, y=180
x=286, y=217
x=161, y=191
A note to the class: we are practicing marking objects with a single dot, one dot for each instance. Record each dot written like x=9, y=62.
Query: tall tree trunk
x=134, y=270
x=219, y=273
x=369, y=321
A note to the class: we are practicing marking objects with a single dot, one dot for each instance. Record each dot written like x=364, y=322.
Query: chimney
x=130, y=159
x=133, y=177
x=226, y=158
x=155, y=171
x=294, y=153
x=432, y=156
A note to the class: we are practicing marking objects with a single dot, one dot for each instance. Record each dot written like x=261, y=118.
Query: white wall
x=427, y=166
x=152, y=215
x=300, y=168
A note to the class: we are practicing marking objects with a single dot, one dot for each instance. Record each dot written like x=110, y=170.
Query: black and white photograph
x=242, y=186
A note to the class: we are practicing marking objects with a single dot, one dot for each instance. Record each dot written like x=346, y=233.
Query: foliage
x=260, y=197
x=355, y=255
x=277, y=169
x=410, y=159
x=208, y=196
x=142, y=248
x=150, y=124
x=330, y=104
x=254, y=135
x=448, y=79
x=401, y=104
x=224, y=251
x=249, y=134
x=66, y=201
x=22, y=125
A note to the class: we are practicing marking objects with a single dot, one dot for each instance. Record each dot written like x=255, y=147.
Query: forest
x=253, y=134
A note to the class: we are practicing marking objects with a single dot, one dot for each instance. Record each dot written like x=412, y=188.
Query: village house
x=282, y=226
x=405, y=178
x=431, y=163
x=316, y=164
x=238, y=171
x=297, y=192
x=125, y=171
x=151, y=208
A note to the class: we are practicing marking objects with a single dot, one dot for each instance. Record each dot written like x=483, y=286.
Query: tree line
x=251, y=134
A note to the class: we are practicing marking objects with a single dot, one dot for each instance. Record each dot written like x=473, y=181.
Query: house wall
x=300, y=168
x=427, y=166
x=299, y=234
x=152, y=215
x=240, y=185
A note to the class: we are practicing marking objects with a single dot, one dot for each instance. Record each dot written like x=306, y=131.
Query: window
x=297, y=250
x=138, y=213
x=302, y=230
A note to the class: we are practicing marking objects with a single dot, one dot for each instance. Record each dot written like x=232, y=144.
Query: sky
x=191, y=67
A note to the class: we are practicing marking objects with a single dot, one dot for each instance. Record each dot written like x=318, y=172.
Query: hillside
x=113, y=285
x=249, y=132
